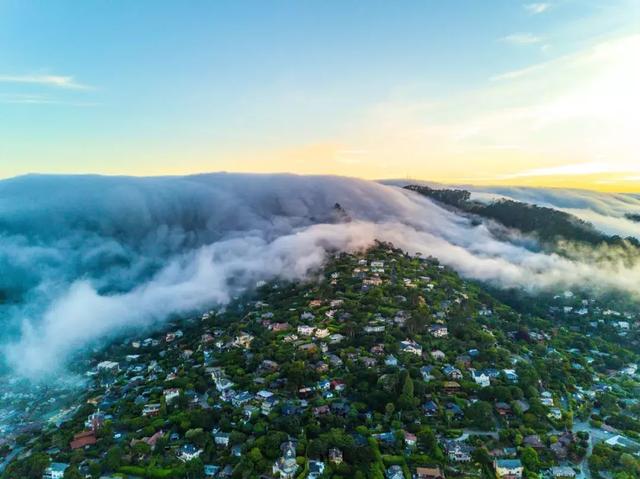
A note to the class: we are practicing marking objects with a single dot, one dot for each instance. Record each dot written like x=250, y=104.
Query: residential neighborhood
x=387, y=366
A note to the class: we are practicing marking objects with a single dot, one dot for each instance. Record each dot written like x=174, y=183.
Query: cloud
x=589, y=168
x=86, y=259
x=57, y=81
x=521, y=39
x=28, y=99
x=536, y=8
x=605, y=211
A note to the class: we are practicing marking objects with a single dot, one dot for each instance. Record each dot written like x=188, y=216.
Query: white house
x=171, y=395
x=439, y=331
x=322, y=333
x=55, y=470
x=508, y=468
x=409, y=346
x=306, y=330
x=189, y=452
x=480, y=378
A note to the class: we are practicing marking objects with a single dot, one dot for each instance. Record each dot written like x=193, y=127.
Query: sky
x=490, y=93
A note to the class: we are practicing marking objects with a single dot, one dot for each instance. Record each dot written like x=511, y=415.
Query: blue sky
x=154, y=87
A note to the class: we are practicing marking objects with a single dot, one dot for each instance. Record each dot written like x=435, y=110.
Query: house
x=279, y=327
x=555, y=413
x=322, y=333
x=170, y=395
x=521, y=405
x=286, y=467
x=503, y=409
x=562, y=472
x=410, y=346
x=334, y=360
x=533, y=441
x=211, y=470
x=308, y=348
x=391, y=361
x=268, y=405
x=480, y=378
x=221, y=438
x=410, y=440
x=625, y=442
x=95, y=421
x=374, y=328
x=151, y=409
x=368, y=362
x=188, y=452
x=437, y=355
x=338, y=385
x=451, y=387
x=268, y=366
x=439, y=331
x=241, y=398
x=55, y=470
x=451, y=372
x=458, y=451
x=508, y=468
x=316, y=469
x=425, y=371
x=386, y=437
x=559, y=450
x=429, y=473
x=236, y=451
x=306, y=330
x=454, y=410
x=394, y=472
x=511, y=375
x=83, y=439
x=243, y=340
x=323, y=385
x=430, y=408
x=108, y=367
x=335, y=455
x=321, y=410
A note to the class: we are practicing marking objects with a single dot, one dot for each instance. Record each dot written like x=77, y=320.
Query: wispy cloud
x=56, y=81
x=29, y=99
x=536, y=8
x=585, y=168
x=521, y=39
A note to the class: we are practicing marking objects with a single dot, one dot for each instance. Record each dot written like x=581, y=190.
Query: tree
x=406, y=400
x=113, y=458
x=530, y=459
x=480, y=415
x=72, y=473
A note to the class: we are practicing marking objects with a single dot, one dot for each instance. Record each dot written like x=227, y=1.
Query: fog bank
x=86, y=258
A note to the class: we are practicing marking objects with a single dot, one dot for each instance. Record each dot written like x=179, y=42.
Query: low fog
x=605, y=211
x=87, y=258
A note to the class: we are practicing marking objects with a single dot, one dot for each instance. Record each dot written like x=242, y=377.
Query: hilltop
x=382, y=365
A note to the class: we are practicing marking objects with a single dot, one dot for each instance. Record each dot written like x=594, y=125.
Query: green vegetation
x=385, y=360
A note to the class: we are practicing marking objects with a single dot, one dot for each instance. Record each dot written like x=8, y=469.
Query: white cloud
x=536, y=8
x=127, y=253
x=57, y=81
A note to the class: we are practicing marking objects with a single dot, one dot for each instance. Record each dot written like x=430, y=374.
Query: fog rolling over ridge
x=85, y=258
x=607, y=212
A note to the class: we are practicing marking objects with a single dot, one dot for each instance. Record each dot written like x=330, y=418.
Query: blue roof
x=509, y=463
x=58, y=466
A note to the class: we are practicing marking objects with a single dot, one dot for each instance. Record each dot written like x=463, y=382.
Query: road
x=10, y=458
